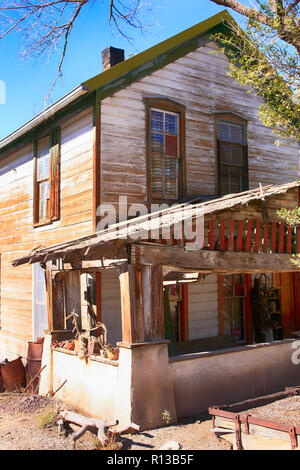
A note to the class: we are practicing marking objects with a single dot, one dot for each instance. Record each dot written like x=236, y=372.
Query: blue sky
x=28, y=82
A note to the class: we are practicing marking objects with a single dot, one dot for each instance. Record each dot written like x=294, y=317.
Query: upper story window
x=232, y=154
x=47, y=179
x=165, y=144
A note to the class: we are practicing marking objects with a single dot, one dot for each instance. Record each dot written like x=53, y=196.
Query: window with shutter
x=165, y=143
x=232, y=155
x=47, y=179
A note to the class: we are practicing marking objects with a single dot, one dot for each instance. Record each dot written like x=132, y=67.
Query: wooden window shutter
x=55, y=173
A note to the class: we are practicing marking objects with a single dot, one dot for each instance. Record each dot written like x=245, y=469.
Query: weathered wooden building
x=165, y=126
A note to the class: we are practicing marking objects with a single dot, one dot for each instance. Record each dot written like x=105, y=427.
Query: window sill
x=42, y=223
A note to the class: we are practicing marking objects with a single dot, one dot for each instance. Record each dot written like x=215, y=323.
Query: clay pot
x=70, y=345
x=113, y=354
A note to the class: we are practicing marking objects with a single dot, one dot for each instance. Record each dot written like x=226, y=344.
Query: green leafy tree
x=265, y=56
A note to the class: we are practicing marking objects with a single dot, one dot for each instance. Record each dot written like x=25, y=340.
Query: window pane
x=225, y=152
x=171, y=127
x=157, y=121
x=43, y=159
x=224, y=185
x=237, y=155
x=157, y=143
x=44, y=198
x=230, y=132
x=236, y=134
x=224, y=131
x=170, y=177
x=171, y=145
x=157, y=175
x=164, y=144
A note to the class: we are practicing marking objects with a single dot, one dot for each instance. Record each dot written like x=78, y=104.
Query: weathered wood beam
x=63, y=296
x=212, y=261
x=142, y=304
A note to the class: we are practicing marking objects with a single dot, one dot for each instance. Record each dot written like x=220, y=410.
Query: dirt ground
x=29, y=422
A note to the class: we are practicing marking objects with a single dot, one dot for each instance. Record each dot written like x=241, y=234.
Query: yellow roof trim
x=130, y=64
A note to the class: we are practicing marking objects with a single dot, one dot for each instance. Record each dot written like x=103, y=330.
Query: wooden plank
x=248, y=313
x=58, y=301
x=212, y=235
x=231, y=234
x=289, y=239
x=142, y=304
x=184, y=313
x=211, y=262
x=240, y=235
x=220, y=304
x=155, y=290
x=281, y=237
x=257, y=237
x=274, y=237
x=266, y=237
x=249, y=235
x=222, y=235
x=72, y=292
x=96, y=161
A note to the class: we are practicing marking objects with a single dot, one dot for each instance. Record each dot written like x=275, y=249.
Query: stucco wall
x=91, y=385
x=205, y=379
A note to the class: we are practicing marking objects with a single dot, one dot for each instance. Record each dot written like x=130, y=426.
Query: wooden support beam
x=142, y=304
x=63, y=296
x=211, y=261
x=72, y=293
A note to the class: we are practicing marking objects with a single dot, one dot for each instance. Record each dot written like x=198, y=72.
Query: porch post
x=146, y=382
x=55, y=299
x=142, y=304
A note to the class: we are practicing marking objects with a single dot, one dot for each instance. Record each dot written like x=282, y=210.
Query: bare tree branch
x=244, y=10
x=292, y=6
x=280, y=16
x=46, y=25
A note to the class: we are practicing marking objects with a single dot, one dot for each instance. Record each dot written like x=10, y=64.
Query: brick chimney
x=111, y=56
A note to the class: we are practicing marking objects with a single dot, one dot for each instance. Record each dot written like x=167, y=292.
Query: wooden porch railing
x=246, y=236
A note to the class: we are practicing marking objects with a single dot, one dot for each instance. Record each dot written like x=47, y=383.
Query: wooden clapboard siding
x=111, y=305
x=17, y=234
x=198, y=81
x=203, y=319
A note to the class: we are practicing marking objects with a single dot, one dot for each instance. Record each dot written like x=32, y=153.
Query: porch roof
x=130, y=231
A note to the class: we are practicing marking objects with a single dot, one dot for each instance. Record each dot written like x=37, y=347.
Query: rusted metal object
x=34, y=359
x=13, y=375
x=293, y=436
x=233, y=413
x=34, y=378
x=246, y=418
x=238, y=432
